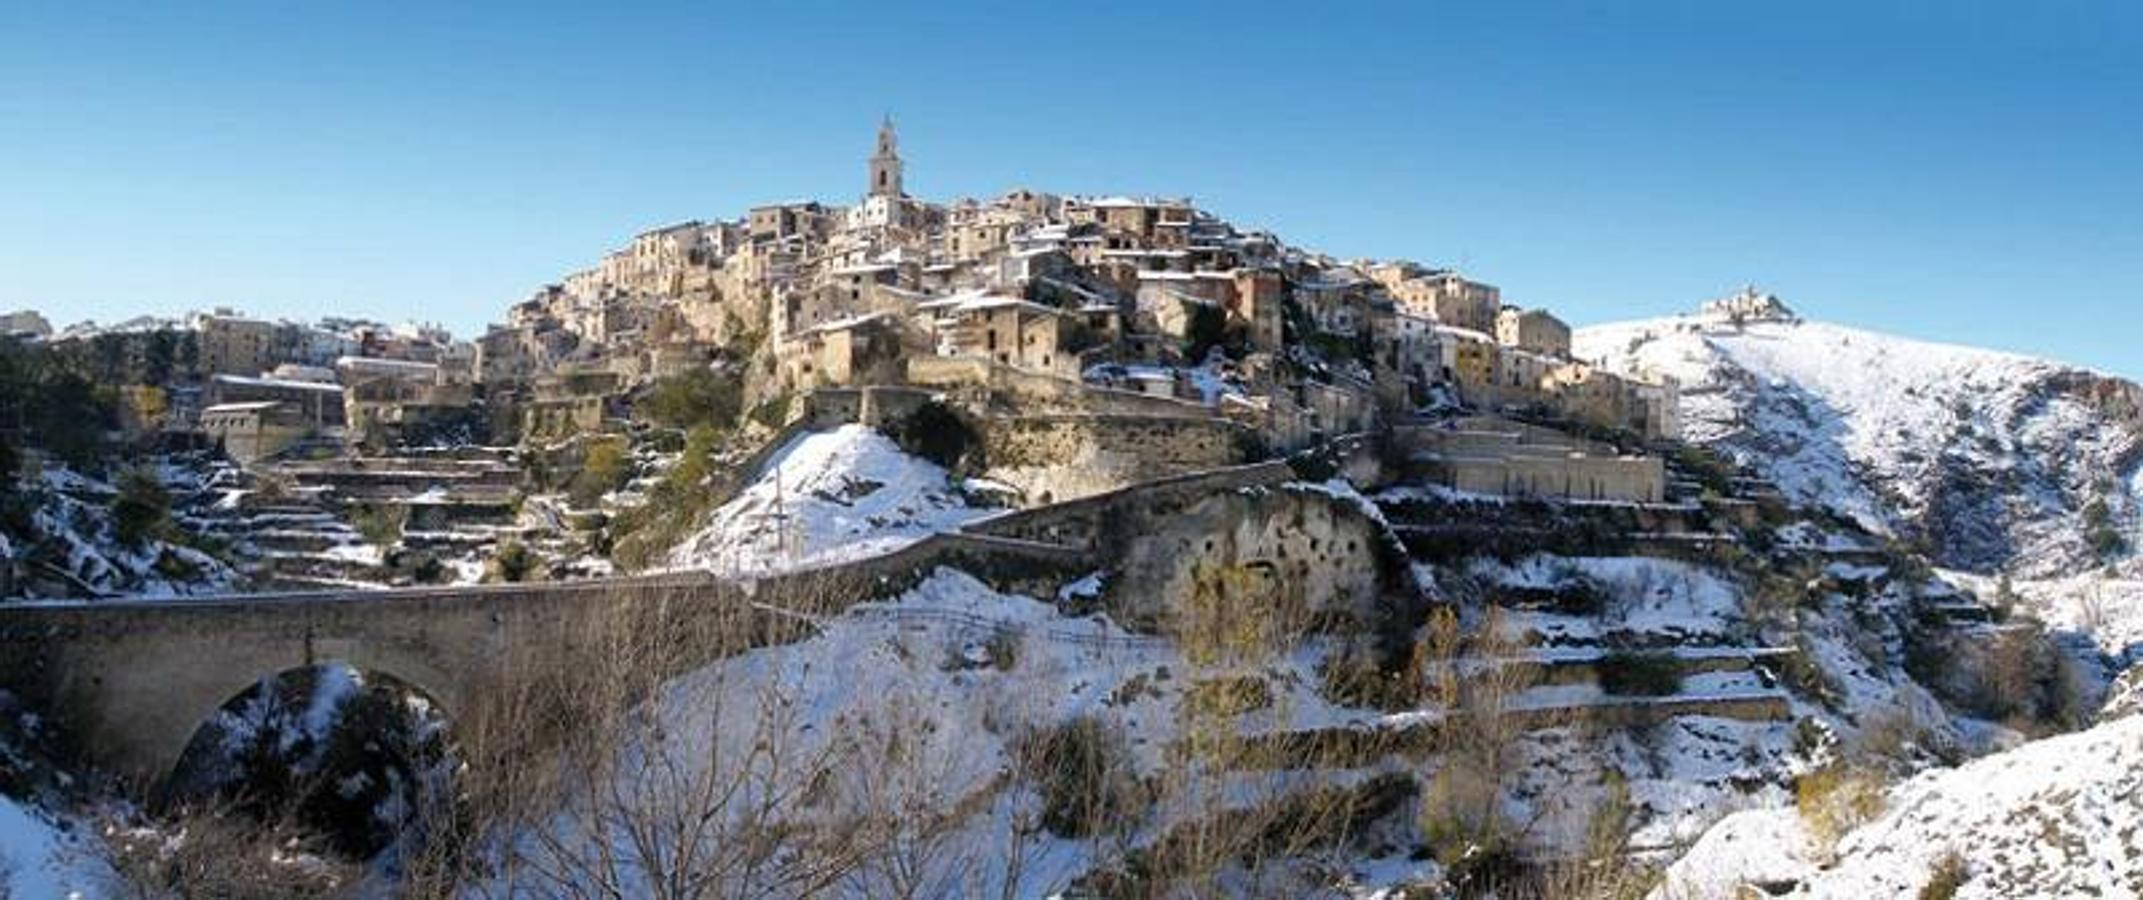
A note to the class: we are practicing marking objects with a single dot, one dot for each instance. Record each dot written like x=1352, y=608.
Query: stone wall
x=986, y=383
x=1058, y=457
x=1108, y=523
x=1497, y=457
x=1252, y=570
x=874, y=405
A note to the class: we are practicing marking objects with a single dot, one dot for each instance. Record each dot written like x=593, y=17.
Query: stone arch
x=170, y=744
x=135, y=696
x=356, y=780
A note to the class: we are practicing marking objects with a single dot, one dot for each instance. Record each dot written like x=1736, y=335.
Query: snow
x=915, y=667
x=2054, y=818
x=1993, y=452
x=72, y=545
x=39, y=859
x=828, y=497
x=1649, y=596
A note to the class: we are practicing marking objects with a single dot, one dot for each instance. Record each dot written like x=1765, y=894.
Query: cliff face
x=1992, y=461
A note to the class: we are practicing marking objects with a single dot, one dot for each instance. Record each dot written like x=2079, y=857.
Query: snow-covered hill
x=1997, y=461
x=2061, y=817
x=828, y=496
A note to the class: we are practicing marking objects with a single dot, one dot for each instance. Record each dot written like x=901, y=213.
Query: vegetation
x=675, y=504
x=772, y=412
x=704, y=396
x=1836, y=799
x=605, y=468
x=1229, y=696
x=142, y=510
x=2105, y=539
x=512, y=562
x=1947, y=875
x=1083, y=768
x=1640, y=674
x=1209, y=328
x=378, y=523
x=57, y=406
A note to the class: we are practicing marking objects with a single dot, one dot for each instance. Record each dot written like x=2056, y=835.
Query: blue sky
x=1950, y=171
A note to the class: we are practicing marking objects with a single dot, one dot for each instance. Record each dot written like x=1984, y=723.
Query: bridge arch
x=354, y=754
x=142, y=730
x=131, y=682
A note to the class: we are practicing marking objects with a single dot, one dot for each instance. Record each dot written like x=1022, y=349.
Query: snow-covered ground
x=920, y=703
x=829, y=496
x=40, y=859
x=72, y=546
x=1993, y=455
x=2060, y=817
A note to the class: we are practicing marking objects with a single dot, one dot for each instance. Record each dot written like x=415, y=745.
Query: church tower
x=885, y=164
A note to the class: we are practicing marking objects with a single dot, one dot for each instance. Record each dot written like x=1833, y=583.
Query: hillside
x=827, y=496
x=1995, y=461
x=2054, y=818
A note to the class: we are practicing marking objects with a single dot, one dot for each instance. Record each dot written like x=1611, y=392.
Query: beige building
x=1452, y=299
x=318, y=404
x=1008, y=331
x=251, y=430
x=25, y=322
x=863, y=350
x=235, y=345
x=1470, y=363
x=1532, y=330
x=1493, y=456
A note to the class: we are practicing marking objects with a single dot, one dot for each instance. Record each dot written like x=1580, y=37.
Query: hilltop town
x=1053, y=546
x=1090, y=342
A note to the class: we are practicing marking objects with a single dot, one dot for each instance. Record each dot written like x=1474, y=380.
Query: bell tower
x=885, y=163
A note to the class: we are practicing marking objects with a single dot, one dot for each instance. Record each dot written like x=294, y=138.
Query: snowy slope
x=39, y=859
x=69, y=546
x=2062, y=817
x=1991, y=457
x=829, y=496
x=918, y=671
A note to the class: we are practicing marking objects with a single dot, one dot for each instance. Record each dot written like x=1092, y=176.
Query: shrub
x=1945, y=877
x=605, y=469
x=378, y=523
x=676, y=504
x=512, y=562
x=1230, y=696
x=1640, y=674
x=1083, y=770
x=701, y=396
x=1834, y=800
x=1804, y=674
x=142, y=510
x=772, y=412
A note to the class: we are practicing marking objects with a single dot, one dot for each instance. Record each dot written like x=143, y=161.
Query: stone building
x=252, y=430
x=1470, y=364
x=1495, y=456
x=1452, y=299
x=318, y=404
x=1009, y=331
x=25, y=323
x=867, y=349
x=1748, y=305
x=235, y=345
x=1532, y=330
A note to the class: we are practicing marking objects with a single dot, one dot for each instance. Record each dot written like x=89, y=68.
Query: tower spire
x=885, y=162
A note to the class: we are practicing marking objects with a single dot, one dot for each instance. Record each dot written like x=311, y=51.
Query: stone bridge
x=128, y=683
